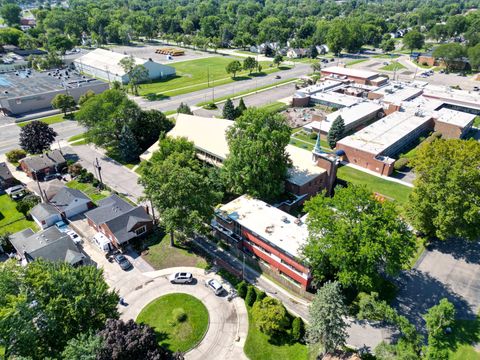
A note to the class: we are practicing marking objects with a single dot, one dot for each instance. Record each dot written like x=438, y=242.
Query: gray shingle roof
x=66, y=196
x=5, y=173
x=27, y=240
x=122, y=225
x=64, y=249
x=43, y=211
x=108, y=208
x=47, y=160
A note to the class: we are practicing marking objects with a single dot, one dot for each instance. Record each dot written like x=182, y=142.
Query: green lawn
x=375, y=184
x=77, y=137
x=92, y=192
x=393, y=66
x=193, y=76
x=11, y=221
x=47, y=120
x=176, y=335
x=306, y=138
x=386, y=56
x=245, y=92
x=260, y=346
x=476, y=121
x=276, y=106
x=465, y=334
x=161, y=255
x=356, y=61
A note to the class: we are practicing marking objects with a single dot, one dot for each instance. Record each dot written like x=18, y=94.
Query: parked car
x=442, y=71
x=123, y=262
x=278, y=77
x=181, y=278
x=16, y=192
x=74, y=236
x=62, y=226
x=476, y=88
x=52, y=176
x=215, y=286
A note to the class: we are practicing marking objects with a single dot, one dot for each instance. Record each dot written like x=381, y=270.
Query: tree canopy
x=336, y=132
x=445, y=200
x=356, y=238
x=63, y=102
x=258, y=162
x=270, y=316
x=36, y=137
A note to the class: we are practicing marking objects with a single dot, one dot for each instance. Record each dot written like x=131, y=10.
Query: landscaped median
x=49, y=120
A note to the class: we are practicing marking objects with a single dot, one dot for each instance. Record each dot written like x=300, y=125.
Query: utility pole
x=243, y=266
x=99, y=169
x=39, y=188
x=208, y=76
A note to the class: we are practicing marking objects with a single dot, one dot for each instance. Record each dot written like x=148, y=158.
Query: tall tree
x=445, y=200
x=85, y=97
x=474, y=56
x=233, y=67
x=149, y=126
x=128, y=146
x=258, y=162
x=179, y=187
x=313, y=52
x=413, y=40
x=270, y=316
x=129, y=341
x=60, y=43
x=136, y=73
x=63, y=102
x=83, y=347
x=240, y=109
x=249, y=64
x=356, y=235
x=36, y=137
x=327, y=318
x=50, y=304
x=336, y=132
x=228, y=110
x=184, y=109
x=437, y=319
x=11, y=14
x=277, y=60
x=451, y=54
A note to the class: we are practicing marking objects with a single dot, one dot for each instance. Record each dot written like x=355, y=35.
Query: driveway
x=449, y=270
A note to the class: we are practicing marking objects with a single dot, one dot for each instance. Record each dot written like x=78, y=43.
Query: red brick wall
x=448, y=131
x=366, y=160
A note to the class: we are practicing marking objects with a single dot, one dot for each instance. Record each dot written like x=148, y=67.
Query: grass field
x=304, y=138
x=259, y=346
x=375, y=184
x=92, y=192
x=357, y=61
x=386, y=56
x=161, y=255
x=49, y=120
x=11, y=221
x=465, y=334
x=276, y=106
x=476, y=121
x=198, y=74
x=393, y=66
x=172, y=334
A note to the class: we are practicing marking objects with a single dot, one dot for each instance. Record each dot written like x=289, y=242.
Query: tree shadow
x=460, y=249
x=284, y=67
x=156, y=97
x=418, y=292
x=2, y=216
x=241, y=78
x=258, y=74
x=281, y=339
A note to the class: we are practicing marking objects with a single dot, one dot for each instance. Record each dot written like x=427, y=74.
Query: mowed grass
x=89, y=190
x=194, y=75
x=161, y=255
x=274, y=107
x=393, y=66
x=49, y=120
x=176, y=335
x=389, y=189
x=12, y=221
x=259, y=346
x=465, y=334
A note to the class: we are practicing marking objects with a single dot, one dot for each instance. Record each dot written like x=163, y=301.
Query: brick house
x=6, y=178
x=49, y=163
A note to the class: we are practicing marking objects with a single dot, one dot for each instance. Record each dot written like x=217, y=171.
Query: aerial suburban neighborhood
x=228, y=179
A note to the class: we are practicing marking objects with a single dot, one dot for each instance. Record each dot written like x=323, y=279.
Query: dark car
x=123, y=262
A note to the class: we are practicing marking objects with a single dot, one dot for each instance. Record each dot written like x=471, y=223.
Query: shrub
x=401, y=163
x=211, y=106
x=179, y=315
x=15, y=155
x=261, y=295
x=242, y=288
x=95, y=183
x=298, y=329
x=313, y=135
x=27, y=203
x=85, y=177
x=75, y=169
x=251, y=296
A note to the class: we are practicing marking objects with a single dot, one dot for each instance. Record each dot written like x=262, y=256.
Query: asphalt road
x=10, y=133
x=194, y=98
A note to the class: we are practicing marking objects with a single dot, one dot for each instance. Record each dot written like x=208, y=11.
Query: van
x=215, y=286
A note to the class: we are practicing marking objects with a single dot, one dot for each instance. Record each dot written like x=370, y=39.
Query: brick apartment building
x=270, y=236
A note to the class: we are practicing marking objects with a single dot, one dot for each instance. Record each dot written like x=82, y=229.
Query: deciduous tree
x=356, y=237
x=258, y=162
x=413, y=40
x=270, y=316
x=327, y=318
x=277, y=60
x=450, y=54
x=233, y=67
x=446, y=197
x=36, y=137
x=63, y=102
x=249, y=64
x=11, y=14
x=83, y=347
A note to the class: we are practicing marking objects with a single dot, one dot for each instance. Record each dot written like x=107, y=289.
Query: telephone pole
x=99, y=170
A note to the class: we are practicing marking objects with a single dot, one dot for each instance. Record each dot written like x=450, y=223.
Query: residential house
x=322, y=49
x=71, y=202
x=44, y=164
x=45, y=215
x=296, y=53
x=6, y=178
x=50, y=244
x=119, y=221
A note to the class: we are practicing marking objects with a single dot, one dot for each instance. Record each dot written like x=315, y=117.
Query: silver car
x=215, y=286
x=181, y=278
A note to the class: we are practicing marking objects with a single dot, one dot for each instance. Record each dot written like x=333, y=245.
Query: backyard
x=89, y=190
x=198, y=74
x=12, y=221
x=179, y=320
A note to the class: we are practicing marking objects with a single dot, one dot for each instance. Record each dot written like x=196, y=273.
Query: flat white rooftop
x=106, y=60
x=364, y=74
x=303, y=169
x=338, y=99
x=453, y=117
x=274, y=225
x=396, y=93
x=322, y=86
x=454, y=97
x=382, y=134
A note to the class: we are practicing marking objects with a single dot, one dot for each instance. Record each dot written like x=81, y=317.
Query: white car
x=181, y=278
x=74, y=236
x=215, y=286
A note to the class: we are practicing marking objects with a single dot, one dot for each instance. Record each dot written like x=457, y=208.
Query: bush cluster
x=15, y=155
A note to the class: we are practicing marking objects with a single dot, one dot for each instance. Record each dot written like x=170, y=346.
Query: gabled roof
x=43, y=211
x=28, y=241
x=122, y=225
x=5, y=174
x=64, y=249
x=43, y=161
x=108, y=209
x=66, y=197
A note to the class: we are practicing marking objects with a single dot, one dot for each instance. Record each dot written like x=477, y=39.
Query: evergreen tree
x=229, y=110
x=313, y=52
x=251, y=296
x=184, y=109
x=128, y=145
x=336, y=132
x=240, y=108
